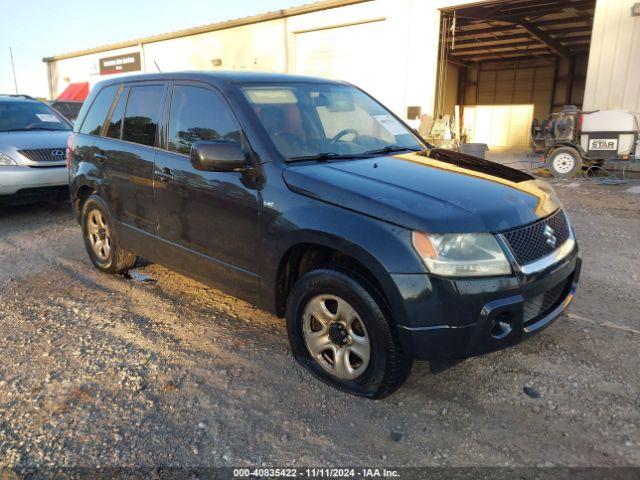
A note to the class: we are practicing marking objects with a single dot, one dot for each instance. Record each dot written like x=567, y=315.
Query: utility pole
x=13, y=67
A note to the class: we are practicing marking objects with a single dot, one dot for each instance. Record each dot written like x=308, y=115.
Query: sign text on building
x=129, y=62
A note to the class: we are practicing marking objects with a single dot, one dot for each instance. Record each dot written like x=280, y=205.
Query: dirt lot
x=158, y=369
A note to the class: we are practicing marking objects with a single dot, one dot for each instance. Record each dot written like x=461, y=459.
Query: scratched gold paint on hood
x=548, y=201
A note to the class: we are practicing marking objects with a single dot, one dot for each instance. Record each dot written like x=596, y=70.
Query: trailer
x=571, y=140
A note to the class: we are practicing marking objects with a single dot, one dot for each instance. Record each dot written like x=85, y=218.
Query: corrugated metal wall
x=613, y=76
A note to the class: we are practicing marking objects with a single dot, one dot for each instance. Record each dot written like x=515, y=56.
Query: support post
x=569, y=81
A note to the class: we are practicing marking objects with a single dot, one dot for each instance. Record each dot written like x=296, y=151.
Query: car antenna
x=156, y=64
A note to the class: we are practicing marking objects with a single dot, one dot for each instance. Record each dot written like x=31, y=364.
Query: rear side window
x=198, y=114
x=142, y=113
x=115, y=122
x=98, y=111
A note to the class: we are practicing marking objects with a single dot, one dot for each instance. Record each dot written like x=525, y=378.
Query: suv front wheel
x=339, y=330
x=99, y=238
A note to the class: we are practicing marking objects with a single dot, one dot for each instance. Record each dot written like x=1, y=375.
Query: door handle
x=165, y=174
x=100, y=157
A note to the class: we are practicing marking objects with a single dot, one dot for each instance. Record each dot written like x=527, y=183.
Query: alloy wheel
x=99, y=234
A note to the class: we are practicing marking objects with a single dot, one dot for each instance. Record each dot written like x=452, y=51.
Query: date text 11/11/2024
x=316, y=473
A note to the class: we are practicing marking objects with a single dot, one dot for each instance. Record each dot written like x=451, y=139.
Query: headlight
x=461, y=255
x=6, y=160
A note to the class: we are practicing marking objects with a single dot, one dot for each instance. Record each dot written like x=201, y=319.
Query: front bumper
x=18, y=178
x=454, y=318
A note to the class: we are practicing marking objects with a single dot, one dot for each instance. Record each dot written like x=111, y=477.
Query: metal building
x=502, y=62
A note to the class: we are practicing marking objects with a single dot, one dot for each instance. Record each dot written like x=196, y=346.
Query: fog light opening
x=501, y=326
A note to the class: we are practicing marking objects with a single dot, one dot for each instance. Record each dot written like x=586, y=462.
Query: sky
x=41, y=28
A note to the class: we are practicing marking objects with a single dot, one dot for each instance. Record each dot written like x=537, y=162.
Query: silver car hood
x=12, y=142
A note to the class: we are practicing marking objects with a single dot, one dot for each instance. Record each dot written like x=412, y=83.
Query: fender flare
x=381, y=274
x=85, y=176
x=561, y=143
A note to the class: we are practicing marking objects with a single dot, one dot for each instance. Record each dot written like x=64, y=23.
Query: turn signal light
x=423, y=245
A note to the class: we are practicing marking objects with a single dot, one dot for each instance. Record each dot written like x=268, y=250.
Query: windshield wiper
x=338, y=156
x=325, y=156
x=34, y=128
x=391, y=149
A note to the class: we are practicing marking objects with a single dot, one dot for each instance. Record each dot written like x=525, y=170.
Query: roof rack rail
x=17, y=95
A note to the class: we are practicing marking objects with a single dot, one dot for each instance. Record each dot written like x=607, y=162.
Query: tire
x=564, y=162
x=387, y=366
x=97, y=225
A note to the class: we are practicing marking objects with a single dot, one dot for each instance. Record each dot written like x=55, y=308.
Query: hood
x=437, y=191
x=12, y=142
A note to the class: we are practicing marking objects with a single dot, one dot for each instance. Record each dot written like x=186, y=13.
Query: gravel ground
x=158, y=369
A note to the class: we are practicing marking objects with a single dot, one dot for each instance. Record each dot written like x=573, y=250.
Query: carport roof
x=212, y=27
x=519, y=28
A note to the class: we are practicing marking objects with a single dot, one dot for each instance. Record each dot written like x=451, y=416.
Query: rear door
x=93, y=124
x=213, y=216
x=127, y=151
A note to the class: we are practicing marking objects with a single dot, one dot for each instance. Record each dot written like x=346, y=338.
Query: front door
x=211, y=216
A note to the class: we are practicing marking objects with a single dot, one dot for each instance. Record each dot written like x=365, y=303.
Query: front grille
x=530, y=243
x=545, y=302
x=45, y=154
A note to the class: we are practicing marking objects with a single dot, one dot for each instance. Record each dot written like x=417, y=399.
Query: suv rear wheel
x=339, y=330
x=99, y=238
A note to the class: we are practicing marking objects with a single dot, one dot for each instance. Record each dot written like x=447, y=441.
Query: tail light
x=69, y=150
x=580, y=122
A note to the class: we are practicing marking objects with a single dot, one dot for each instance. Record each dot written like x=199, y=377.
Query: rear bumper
x=461, y=318
x=16, y=178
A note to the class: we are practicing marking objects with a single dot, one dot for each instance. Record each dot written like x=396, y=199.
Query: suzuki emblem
x=549, y=235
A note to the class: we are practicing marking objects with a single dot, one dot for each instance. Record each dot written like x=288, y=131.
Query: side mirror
x=218, y=156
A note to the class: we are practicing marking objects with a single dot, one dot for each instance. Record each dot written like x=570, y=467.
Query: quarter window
x=198, y=114
x=142, y=114
x=99, y=110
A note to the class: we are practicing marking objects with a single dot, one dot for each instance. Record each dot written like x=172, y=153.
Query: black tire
x=564, y=162
x=118, y=260
x=388, y=366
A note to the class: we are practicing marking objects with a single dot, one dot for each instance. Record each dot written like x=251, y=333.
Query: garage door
x=507, y=100
x=503, y=126
x=360, y=54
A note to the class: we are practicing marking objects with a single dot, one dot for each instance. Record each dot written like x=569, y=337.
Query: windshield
x=22, y=115
x=325, y=121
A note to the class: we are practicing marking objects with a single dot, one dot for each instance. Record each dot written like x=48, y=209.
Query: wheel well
x=305, y=257
x=564, y=145
x=80, y=197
